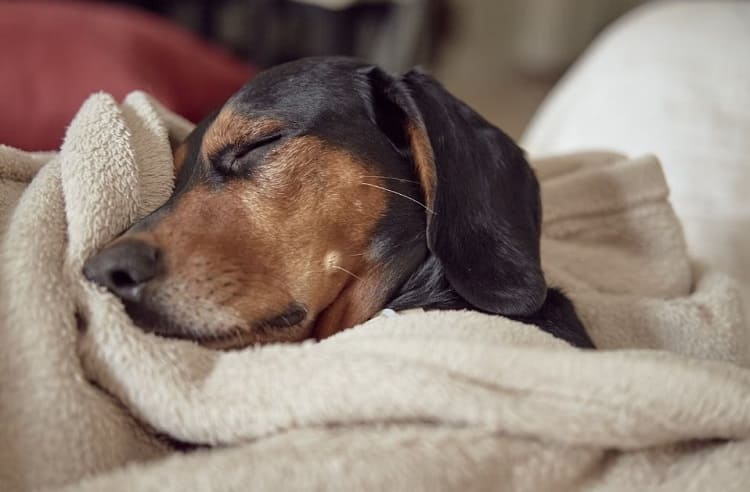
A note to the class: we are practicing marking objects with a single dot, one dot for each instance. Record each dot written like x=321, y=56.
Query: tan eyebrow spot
x=230, y=127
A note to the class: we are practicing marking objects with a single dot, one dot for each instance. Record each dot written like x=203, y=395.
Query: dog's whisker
x=393, y=179
x=346, y=271
x=403, y=196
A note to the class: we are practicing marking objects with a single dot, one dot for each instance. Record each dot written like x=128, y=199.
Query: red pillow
x=54, y=54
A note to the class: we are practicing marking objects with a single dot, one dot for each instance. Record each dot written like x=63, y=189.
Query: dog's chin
x=291, y=325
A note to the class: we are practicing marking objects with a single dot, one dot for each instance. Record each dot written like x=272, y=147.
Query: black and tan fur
x=324, y=191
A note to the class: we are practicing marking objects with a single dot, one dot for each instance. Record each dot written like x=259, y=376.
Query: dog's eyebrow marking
x=231, y=128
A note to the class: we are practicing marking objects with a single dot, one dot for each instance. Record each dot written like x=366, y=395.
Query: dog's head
x=313, y=196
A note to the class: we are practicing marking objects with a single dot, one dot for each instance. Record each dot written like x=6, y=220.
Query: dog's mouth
x=289, y=325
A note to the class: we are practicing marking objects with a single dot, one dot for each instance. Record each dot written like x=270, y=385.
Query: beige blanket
x=415, y=401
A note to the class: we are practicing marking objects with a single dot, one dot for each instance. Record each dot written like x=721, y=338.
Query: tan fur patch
x=424, y=161
x=253, y=246
x=357, y=303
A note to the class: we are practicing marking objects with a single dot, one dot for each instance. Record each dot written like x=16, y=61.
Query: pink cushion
x=54, y=54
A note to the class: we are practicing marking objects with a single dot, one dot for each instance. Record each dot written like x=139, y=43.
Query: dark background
x=500, y=56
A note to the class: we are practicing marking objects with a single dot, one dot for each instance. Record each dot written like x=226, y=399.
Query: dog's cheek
x=361, y=299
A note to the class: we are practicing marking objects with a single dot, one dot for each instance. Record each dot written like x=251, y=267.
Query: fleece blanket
x=409, y=401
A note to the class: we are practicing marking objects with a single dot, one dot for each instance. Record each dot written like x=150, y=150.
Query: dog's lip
x=154, y=322
x=294, y=314
x=235, y=341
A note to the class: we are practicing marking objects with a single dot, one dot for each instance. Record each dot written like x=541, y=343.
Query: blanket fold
x=416, y=401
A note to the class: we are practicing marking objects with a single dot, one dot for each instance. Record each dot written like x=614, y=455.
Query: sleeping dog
x=324, y=191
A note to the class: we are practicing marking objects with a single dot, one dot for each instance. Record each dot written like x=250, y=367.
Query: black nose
x=124, y=268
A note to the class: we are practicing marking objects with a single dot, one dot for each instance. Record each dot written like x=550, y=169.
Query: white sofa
x=672, y=79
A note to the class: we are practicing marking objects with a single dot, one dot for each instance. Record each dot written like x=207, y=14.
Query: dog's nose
x=124, y=268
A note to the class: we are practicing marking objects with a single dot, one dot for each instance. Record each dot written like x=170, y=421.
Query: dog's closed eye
x=239, y=161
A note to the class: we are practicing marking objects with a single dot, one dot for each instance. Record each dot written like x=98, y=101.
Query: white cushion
x=671, y=79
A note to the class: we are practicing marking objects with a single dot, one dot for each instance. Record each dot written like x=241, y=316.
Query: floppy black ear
x=484, y=216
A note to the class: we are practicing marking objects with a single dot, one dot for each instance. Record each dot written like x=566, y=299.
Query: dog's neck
x=427, y=288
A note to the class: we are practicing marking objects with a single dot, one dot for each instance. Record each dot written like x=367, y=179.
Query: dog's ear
x=481, y=195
